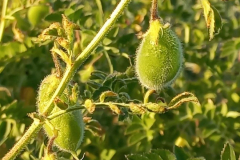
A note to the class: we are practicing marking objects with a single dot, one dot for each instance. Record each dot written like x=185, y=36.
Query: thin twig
x=2, y=25
x=154, y=10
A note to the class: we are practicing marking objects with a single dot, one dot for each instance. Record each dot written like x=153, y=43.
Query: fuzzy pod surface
x=159, y=57
x=70, y=126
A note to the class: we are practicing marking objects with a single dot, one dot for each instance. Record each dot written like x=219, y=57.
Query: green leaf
x=165, y=154
x=11, y=49
x=136, y=157
x=54, y=17
x=100, y=13
x=136, y=119
x=228, y=152
x=198, y=158
x=74, y=16
x=135, y=127
x=10, y=108
x=235, y=97
x=94, y=84
x=107, y=41
x=135, y=138
x=98, y=75
x=224, y=109
x=206, y=133
x=233, y=114
x=228, y=48
x=180, y=153
x=148, y=120
x=113, y=32
x=218, y=21
x=5, y=129
x=107, y=154
x=113, y=49
x=152, y=156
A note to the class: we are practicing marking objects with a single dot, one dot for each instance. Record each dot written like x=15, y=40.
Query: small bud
x=114, y=108
x=18, y=34
x=67, y=25
x=130, y=72
x=75, y=94
x=63, y=42
x=44, y=36
x=137, y=109
x=59, y=29
x=69, y=28
x=89, y=105
x=157, y=108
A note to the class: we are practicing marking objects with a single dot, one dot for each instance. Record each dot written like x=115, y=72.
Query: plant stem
x=103, y=104
x=102, y=32
x=157, y=107
x=154, y=10
x=25, y=139
x=70, y=71
x=2, y=25
x=109, y=62
x=68, y=74
x=87, y=52
x=59, y=113
x=147, y=94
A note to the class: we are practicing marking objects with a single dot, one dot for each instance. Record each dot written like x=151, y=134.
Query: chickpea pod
x=159, y=57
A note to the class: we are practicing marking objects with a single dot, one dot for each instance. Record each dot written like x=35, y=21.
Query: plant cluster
x=120, y=80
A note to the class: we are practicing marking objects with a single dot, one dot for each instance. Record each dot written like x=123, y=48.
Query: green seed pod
x=159, y=57
x=70, y=126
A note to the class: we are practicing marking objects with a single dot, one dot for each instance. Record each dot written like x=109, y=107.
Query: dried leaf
x=137, y=109
x=89, y=105
x=114, y=108
x=212, y=18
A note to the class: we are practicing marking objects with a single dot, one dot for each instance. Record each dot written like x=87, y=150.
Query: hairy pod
x=69, y=126
x=159, y=57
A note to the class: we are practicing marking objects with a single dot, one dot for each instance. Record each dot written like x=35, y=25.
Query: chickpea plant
x=159, y=61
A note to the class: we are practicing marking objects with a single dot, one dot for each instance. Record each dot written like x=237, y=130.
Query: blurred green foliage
x=211, y=73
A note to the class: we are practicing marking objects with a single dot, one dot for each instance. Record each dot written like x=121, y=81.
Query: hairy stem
x=25, y=139
x=103, y=104
x=2, y=25
x=154, y=10
x=175, y=103
x=102, y=32
x=87, y=52
x=70, y=71
x=61, y=112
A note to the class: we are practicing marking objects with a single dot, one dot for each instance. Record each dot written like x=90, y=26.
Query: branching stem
x=25, y=139
x=69, y=72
